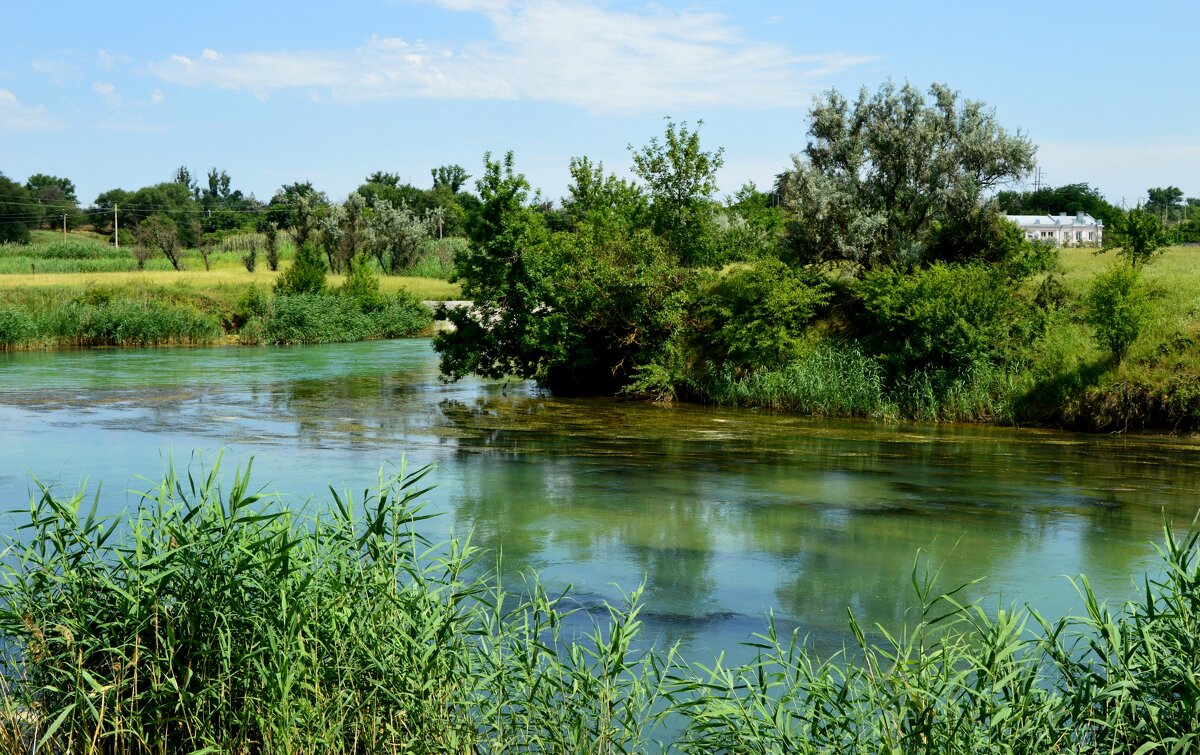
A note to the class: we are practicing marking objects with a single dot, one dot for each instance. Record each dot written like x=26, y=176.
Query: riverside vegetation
x=877, y=278
x=214, y=306
x=216, y=621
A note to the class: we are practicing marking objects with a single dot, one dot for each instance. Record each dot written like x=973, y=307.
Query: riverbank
x=41, y=317
x=80, y=291
x=216, y=620
x=1062, y=378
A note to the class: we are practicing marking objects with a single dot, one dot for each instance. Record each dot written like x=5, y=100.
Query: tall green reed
x=213, y=620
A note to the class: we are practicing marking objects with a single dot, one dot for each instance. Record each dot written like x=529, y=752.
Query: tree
x=184, y=178
x=160, y=233
x=501, y=333
x=281, y=210
x=681, y=179
x=18, y=212
x=881, y=179
x=1137, y=235
x=344, y=232
x=398, y=236
x=1069, y=198
x=57, y=197
x=450, y=176
x=1164, y=201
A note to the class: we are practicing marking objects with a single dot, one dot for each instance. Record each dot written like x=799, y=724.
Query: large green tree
x=18, y=212
x=681, y=179
x=57, y=197
x=893, y=175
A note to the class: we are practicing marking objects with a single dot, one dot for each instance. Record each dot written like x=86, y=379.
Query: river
x=724, y=515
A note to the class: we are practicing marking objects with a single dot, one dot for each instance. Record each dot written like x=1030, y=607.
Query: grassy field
x=32, y=265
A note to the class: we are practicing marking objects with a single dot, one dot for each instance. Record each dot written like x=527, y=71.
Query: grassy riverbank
x=1063, y=377
x=210, y=620
x=82, y=292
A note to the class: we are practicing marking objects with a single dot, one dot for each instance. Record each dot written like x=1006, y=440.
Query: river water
x=724, y=515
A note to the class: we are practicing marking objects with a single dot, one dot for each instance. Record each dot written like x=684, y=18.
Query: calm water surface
x=724, y=515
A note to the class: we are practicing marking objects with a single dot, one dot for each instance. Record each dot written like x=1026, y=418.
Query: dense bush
x=755, y=315
x=946, y=317
x=210, y=622
x=316, y=318
x=306, y=275
x=1115, y=306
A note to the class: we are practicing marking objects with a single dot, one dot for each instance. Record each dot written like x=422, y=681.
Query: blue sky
x=120, y=94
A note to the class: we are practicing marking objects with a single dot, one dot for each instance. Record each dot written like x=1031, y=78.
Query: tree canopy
x=883, y=177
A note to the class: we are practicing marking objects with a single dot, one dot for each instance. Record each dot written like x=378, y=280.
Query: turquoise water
x=724, y=515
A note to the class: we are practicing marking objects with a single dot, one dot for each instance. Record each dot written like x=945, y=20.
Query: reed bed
x=216, y=621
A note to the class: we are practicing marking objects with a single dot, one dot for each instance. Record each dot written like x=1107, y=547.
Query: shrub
x=756, y=314
x=944, y=317
x=401, y=316
x=1115, y=306
x=271, y=245
x=306, y=274
x=362, y=285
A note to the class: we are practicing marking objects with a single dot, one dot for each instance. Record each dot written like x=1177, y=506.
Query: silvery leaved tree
x=894, y=179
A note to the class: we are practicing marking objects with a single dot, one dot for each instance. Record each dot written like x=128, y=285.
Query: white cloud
x=15, y=116
x=157, y=97
x=1123, y=171
x=566, y=51
x=108, y=92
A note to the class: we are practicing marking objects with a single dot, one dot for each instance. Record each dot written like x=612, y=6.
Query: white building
x=1062, y=230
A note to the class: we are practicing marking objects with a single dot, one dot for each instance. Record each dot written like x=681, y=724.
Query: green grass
x=148, y=315
x=96, y=263
x=217, y=621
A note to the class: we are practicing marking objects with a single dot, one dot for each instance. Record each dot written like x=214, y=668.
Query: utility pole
x=64, y=226
x=116, y=229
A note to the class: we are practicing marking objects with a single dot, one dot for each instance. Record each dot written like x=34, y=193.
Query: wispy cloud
x=17, y=116
x=574, y=52
x=109, y=92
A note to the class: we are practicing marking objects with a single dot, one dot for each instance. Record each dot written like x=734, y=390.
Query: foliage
x=500, y=334
x=582, y=310
x=398, y=236
x=944, y=317
x=881, y=177
x=316, y=318
x=362, y=285
x=1071, y=198
x=16, y=327
x=16, y=212
x=451, y=176
x=345, y=231
x=681, y=179
x=214, y=621
x=755, y=315
x=271, y=245
x=306, y=274
x=1115, y=306
x=57, y=197
x=160, y=233
x=1137, y=236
